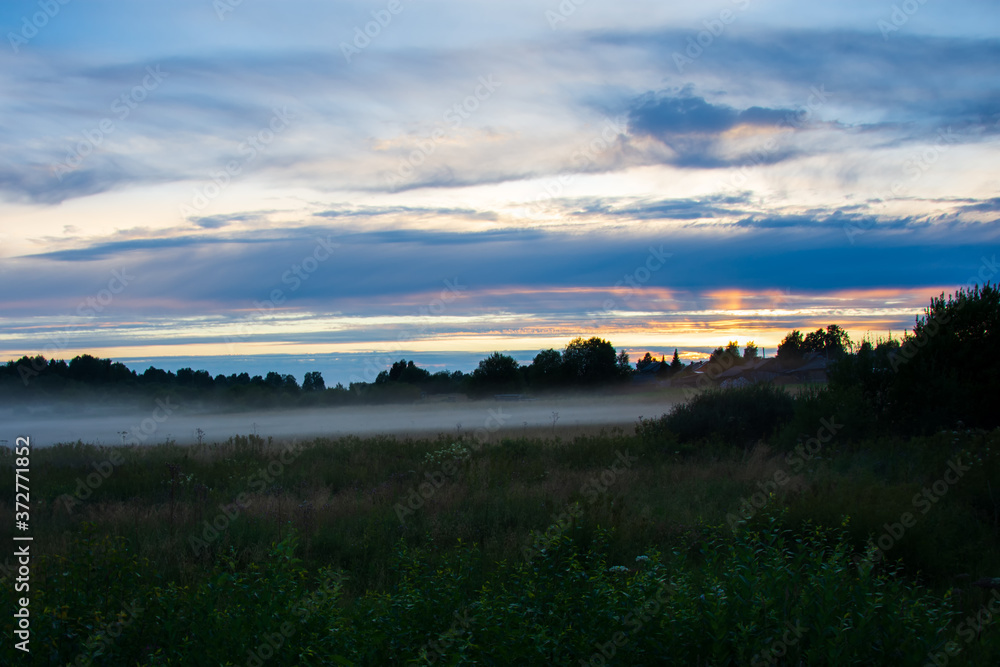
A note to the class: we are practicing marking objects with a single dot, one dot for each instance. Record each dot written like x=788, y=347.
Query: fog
x=51, y=424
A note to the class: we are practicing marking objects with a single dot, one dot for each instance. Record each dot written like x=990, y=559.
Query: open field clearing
x=369, y=551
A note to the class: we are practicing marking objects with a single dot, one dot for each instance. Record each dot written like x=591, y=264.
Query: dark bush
x=736, y=416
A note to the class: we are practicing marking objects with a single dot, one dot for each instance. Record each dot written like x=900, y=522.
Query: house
x=647, y=372
x=810, y=369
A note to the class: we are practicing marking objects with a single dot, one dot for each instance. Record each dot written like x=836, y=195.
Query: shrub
x=737, y=416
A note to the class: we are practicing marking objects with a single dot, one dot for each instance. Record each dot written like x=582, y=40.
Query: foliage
x=947, y=369
x=498, y=373
x=676, y=365
x=623, y=365
x=738, y=416
x=833, y=342
x=791, y=346
x=404, y=371
x=398, y=586
x=715, y=598
x=938, y=375
x=590, y=361
x=547, y=369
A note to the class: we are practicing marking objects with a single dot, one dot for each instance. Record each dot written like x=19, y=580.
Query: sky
x=303, y=185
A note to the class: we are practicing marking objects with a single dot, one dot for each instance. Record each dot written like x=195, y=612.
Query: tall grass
x=523, y=534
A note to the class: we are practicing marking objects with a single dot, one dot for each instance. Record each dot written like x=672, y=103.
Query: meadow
x=689, y=539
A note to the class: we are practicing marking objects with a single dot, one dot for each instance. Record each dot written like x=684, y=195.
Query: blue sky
x=245, y=182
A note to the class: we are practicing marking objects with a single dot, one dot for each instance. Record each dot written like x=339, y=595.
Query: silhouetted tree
x=791, y=347
x=833, y=342
x=676, y=365
x=590, y=361
x=624, y=367
x=313, y=381
x=644, y=362
x=948, y=368
x=497, y=372
x=546, y=369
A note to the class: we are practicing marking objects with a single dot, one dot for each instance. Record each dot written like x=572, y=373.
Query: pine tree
x=676, y=364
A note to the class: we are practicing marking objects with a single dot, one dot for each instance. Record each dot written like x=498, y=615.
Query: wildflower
x=617, y=568
x=642, y=559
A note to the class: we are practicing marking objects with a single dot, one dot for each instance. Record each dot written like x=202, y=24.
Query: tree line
x=583, y=363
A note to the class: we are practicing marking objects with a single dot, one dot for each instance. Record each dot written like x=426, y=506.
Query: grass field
x=605, y=548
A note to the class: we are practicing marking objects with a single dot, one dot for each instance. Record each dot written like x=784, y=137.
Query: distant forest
x=584, y=363
x=950, y=353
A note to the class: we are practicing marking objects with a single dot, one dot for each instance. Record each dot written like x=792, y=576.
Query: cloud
x=664, y=209
x=408, y=211
x=987, y=206
x=665, y=116
x=343, y=269
x=695, y=130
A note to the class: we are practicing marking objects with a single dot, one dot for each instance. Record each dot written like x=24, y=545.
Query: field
x=614, y=545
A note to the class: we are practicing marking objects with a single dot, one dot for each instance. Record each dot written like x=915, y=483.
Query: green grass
x=520, y=535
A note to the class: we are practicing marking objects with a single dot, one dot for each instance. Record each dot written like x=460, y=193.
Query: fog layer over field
x=49, y=425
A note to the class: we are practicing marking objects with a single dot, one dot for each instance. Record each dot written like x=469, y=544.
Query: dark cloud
x=692, y=127
x=664, y=117
x=219, y=221
x=46, y=184
x=988, y=206
x=371, y=272
x=924, y=82
x=666, y=209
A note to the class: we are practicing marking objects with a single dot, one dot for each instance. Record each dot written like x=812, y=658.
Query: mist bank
x=167, y=421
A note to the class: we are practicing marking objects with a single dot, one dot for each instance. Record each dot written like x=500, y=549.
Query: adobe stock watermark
x=592, y=489
x=433, y=651
x=796, y=460
x=247, y=152
x=923, y=501
x=714, y=28
x=454, y=116
x=969, y=629
x=145, y=429
x=911, y=345
x=224, y=7
x=779, y=648
x=562, y=12
x=381, y=19
x=377, y=364
x=421, y=493
x=633, y=281
x=258, y=482
x=86, y=486
x=916, y=167
x=121, y=107
x=296, y=275
x=583, y=158
x=88, y=307
x=634, y=620
x=818, y=97
x=303, y=610
x=96, y=647
x=899, y=17
x=31, y=26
